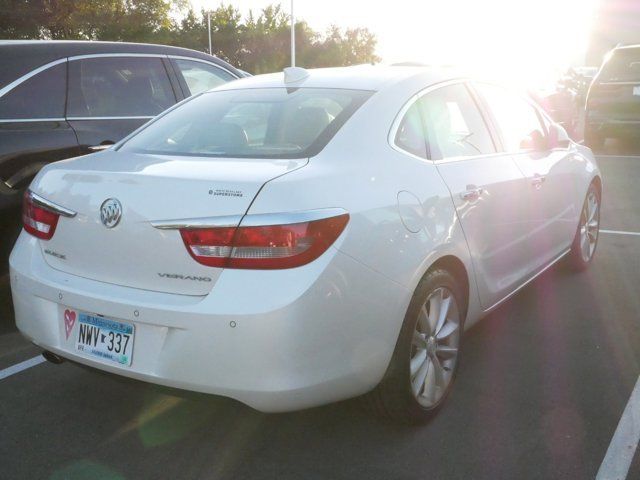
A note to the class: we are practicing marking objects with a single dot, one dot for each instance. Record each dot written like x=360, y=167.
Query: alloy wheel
x=589, y=226
x=434, y=347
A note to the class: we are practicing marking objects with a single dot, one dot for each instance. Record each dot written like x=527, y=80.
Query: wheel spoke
x=417, y=361
x=447, y=329
x=435, y=304
x=418, y=340
x=418, y=381
x=430, y=385
x=438, y=372
x=423, y=320
x=444, y=311
x=446, y=352
x=584, y=243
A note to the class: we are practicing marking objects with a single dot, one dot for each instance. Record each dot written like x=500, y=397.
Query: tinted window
x=454, y=124
x=410, y=136
x=200, y=76
x=623, y=66
x=256, y=123
x=517, y=119
x=41, y=96
x=118, y=87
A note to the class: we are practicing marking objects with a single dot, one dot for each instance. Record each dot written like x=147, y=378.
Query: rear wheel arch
x=457, y=269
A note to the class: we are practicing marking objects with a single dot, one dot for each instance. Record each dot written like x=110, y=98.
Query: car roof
x=19, y=57
x=359, y=77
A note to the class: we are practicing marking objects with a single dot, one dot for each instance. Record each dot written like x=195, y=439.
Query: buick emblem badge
x=110, y=212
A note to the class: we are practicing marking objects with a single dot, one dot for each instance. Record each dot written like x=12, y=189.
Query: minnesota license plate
x=105, y=338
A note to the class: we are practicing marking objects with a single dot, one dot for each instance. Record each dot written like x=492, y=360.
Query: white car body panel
x=281, y=340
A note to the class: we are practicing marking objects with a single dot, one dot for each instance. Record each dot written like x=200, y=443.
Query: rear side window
x=623, y=66
x=118, y=87
x=454, y=124
x=200, y=76
x=517, y=119
x=410, y=135
x=41, y=96
x=253, y=123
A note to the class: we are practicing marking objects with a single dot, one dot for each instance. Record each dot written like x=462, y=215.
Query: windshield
x=623, y=66
x=257, y=123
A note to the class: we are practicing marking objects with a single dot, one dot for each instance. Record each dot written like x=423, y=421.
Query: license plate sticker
x=105, y=338
x=636, y=90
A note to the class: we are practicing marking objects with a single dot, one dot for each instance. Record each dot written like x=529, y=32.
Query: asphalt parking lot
x=543, y=384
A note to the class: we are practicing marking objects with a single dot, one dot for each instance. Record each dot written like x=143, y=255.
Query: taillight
x=263, y=247
x=38, y=221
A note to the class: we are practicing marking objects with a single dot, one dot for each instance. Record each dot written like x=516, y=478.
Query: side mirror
x=558, y=137
x=535, y=141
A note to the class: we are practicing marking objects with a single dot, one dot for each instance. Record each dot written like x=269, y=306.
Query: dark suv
x=613, y=102
x=63, y=99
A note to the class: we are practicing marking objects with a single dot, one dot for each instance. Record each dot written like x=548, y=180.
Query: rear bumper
x=275, y=340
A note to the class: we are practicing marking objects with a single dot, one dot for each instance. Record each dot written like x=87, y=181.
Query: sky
x=532, y=40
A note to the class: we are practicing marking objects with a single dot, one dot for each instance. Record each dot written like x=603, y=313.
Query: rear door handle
x=473, y=193
x=537, y=181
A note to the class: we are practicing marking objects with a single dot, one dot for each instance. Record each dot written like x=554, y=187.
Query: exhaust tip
x=52, y=357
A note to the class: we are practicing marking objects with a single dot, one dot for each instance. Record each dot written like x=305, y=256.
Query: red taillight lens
x=38, y=221
x=263, y=247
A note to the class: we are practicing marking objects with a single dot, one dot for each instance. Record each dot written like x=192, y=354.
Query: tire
x=418, y=352
x=585, y=241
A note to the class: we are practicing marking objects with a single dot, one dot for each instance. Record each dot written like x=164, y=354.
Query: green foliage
x=258, y=43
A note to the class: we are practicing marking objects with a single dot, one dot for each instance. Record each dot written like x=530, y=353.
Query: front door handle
x=538, y=181
x=103, y=146
x=474, y=193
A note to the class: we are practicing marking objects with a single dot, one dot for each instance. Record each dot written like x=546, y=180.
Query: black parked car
x=63, y=99
x=613, y=102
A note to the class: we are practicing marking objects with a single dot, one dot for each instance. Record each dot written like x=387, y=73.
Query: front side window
x=200, y=76
x=118, y=87
x=253, y=123
x=516, y=118
x=41, y=96
x=454, y=124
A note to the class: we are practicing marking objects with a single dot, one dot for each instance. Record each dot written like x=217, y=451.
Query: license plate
x=636, y=90
x=105, y=338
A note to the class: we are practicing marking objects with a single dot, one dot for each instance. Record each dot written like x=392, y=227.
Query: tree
x=259, y=43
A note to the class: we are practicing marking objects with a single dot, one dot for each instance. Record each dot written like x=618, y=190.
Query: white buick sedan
x=295, y=239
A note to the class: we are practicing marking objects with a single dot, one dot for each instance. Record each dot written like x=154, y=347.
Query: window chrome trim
x=48, y=205
x=391, y=138
x=140, y=117
x=180, y=57
x=150, y=55
x=7, y=88
x=26, y=120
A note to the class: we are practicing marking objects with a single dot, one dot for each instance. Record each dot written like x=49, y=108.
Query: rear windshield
x=256, y=123
x=623, y=66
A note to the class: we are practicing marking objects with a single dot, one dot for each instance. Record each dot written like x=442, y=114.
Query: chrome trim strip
x=551, y=264
x=140, y=117
x=151, y=55
x=27, y=120
x=48, y=205
x=258, y=220
x=619, y=83
x=287, y=218
x=27, y=76
x=204, y=222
